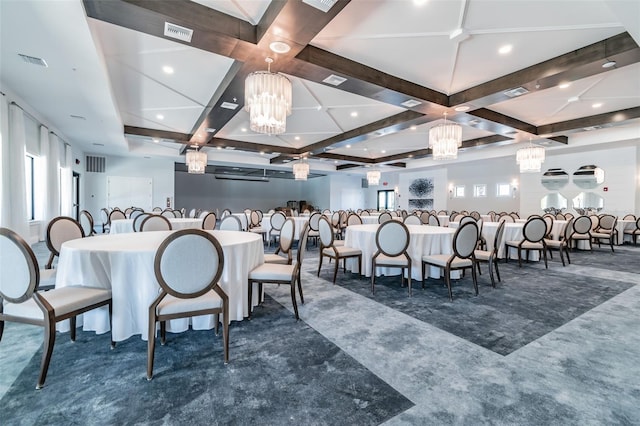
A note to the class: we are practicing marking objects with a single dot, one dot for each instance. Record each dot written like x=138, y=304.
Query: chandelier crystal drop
x=267, y=99
x=530, y=158
x=445, y=139
x=301, y=170
x=196, y=161
x=373, y=177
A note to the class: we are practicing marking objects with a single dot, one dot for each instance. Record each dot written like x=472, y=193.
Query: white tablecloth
x=126, y=225
x=623, y=225
x=124, y=263
x=512, y=232
x=299, y=221
x=369, y=220
x=243, y=219
x=423, y=240
x=443, y=219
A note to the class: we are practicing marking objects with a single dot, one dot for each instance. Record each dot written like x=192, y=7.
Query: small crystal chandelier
x=301, y=170
x=373, y=177
x=445, y=139
x=267, y=99
x=196, y=161
x=530, y=158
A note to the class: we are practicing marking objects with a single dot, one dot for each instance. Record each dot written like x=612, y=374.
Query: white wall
x=439, y=176
x=346, y=192
x=620, y=166
x=158, y=169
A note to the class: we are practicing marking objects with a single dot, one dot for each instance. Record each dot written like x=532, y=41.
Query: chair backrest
x=155, y=222
x=326, y=212
x=559, y=216
x=202, y=214
x=384, y=217
x=567, y=231
x=629, y=217
x=534, y=229
x=568, y=216
x=442, y=213
x=595, y=222
x=392, y=238
x=465, y=240
x=582, y=225
x=277, y=220
x=137, y=222
x=326, y=232
x=507, y=218
x=638, y=223
x=255, y=218
x=168, y=213
x=548, y=220
x=314, y=221
x=412, y=219
x=116, y=215
x=61, y=229
x=209, y=222
x=514, y=215
x=86, y=221
x=178, y=213
x=135, y=213
x=365, y=213
x=433, y=220
x=302, y=244
x=498, y=238
x=354, y=219
x=474, y=214
x=225, y=213
x=230, y=223
x=335, y=219
x=286, y=235
x=127, y=211
x=104, y=216
x=424, y=217
x=458, y=217
x=260, y=215
x=189, y=263
x=192, y=213
x=607, y=222
x=157, y=209
x=18, y=266
x=465, y=219
x=343, y=219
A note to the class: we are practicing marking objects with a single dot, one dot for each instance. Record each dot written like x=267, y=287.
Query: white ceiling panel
x=247, y=10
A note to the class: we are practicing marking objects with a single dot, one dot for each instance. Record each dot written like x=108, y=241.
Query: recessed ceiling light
x=609, y=64
x=160, y=117
x=279, y=47
x=167, y=69
x=297, y=138
x=236, y=168
x=384, y=151
x=348, y=146
x=219, y=147
x=462, y=108
x=244, y=129
x=413, y=127
x=319, y=108
x=354, y=113
x=156, y=140
x=419, y=2
x=596, y=105
x=335, y=161
x=261, y=152
x=505, y=49
x=365, y=149
x=564, y=85
x=98, y=144
x=573, y=99
x=410, y=155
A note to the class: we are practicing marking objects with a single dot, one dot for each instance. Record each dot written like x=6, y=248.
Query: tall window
x=29, y=173
x=386, y=200
x=458, y=191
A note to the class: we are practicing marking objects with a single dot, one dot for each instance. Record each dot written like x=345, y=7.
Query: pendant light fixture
x=196, y=161
x=301, y=169
x=267, y=99
x=373, y=177
x=445, y=139
x=530, y=158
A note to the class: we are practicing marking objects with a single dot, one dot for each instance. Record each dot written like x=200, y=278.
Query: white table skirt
x=424, y=240
x=123, y=226
x=299, y=223
x=124, y=263
x=624, y=225
x=369, y=220
x=444, y=220
x=512, y=232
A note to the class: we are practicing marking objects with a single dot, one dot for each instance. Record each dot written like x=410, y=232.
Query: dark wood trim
x=347, y=166
x=499, y=123
x=160, y=134
x=249, y=146
x=604, y=120
x=571, y=66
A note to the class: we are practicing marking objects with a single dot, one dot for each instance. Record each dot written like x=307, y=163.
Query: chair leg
x=293, y=300
x=568, y=258
x=544, y=253
x=360, y=265
x=495, y=263
x=113, y=344
x=49, y=340
x=561, y=256
x=151, y=343
x=335, y=269
x=250, y=297
x=225, y=330
x=216, y=320
x=478, y=267
x=373, y=277
x=300, y=288
x=447, y=280
x=163, y=333
x=423, y=273
x=320, y=264
x=519, y=257
x=493, y=281
x=475, y=279
x=72, y=328
x=409, y=278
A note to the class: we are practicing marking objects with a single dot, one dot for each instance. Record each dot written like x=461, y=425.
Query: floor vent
x=95, y=164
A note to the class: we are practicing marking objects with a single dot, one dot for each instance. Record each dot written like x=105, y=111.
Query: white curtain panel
x=42, y=190
x=66, y=201
x=15, y=212
x=53, y=179
x=4, y=159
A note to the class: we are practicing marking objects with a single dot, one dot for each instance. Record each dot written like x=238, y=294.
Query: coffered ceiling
x=144, y=93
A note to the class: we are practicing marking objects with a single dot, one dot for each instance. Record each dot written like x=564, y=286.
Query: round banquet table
x=123, y=226
x=125, y=264
x=299, y=223
x=512, y=232
x=369, y=220
x=443, y=219
x=423, y=240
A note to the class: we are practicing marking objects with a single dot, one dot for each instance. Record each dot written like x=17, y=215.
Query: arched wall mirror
x=588, y=201
x=555, y=179
x=588, y=177
x=554, y=200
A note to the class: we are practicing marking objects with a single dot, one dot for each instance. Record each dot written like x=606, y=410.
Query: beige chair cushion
x=482, y=255
x=342, y=251
x=272, y=272
x=173, y=305
x=442, y=259
x=313, y=233
x=258, y=230
x=63, y=300
x=274, y=258
x=338, y=243
x=601, y=235
x=554, y=243
x=391, y=261
x=526, y=245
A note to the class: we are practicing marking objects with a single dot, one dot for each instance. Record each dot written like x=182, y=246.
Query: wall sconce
x=514, y=188
x=450, y=191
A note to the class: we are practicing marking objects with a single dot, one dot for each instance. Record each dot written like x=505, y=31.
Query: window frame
x=484, y=190
x=459, y=191
x=503, y=186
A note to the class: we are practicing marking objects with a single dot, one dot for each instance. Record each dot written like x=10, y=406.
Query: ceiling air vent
x=229, y=105
x=178, y=32
x=334, y=80
x=323, y=5
x=33, y=60
x=518, y=91
x=95, y=164
x=410, y=103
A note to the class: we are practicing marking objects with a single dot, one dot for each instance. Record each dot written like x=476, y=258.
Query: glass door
x=386, y=200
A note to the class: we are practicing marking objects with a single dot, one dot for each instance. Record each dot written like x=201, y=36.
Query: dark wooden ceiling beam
x=248, y=146
x=575, y=65
x=159, y=134
x=607, y=119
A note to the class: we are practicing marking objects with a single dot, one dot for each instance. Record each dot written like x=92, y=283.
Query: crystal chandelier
x=530, y=158
x=196, y=161
x=373, y=177
x=301, y=170
x=267, y=98
x=445, y=139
